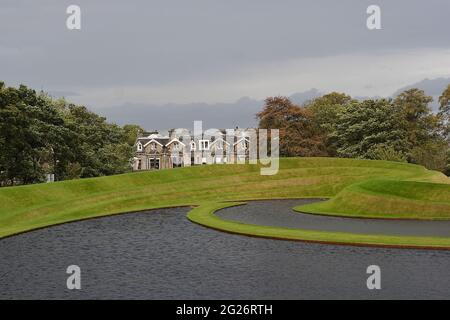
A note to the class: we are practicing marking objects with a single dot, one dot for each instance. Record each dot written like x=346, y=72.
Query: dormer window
x=176, y=146
x=153, y=146
x=204, y=144
x=245, y=144
x=139, y=146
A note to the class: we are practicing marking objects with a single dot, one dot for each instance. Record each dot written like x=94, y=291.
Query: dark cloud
x=162, y=117
x=156, y=42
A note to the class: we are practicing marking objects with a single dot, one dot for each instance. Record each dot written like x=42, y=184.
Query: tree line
x=400, y=129
x=40, y=135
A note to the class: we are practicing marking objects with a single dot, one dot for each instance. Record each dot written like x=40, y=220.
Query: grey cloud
x=157, y=42
x=161, y=117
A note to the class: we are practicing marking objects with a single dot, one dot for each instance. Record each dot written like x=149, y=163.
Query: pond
x=279, y=213
x=161, y=255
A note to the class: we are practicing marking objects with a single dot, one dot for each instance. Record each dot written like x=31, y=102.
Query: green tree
x=385, y=152
x=102, y=148
x=444, y=112
x=19, y=132
x=444, y=101
x=132, y=132
x=421, y=125
x=39, y=135
x=424, y=129
x=325, y=110
x=432, y=155
x=364, y=127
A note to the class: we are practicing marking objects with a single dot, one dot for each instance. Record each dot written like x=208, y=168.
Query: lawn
x=388, y=199
x=356, y=187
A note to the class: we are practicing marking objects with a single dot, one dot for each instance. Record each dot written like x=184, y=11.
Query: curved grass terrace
x=387, y=199
x=357, y=188
x=205, y=216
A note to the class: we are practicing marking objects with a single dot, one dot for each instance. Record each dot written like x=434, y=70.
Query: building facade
x=155, y=152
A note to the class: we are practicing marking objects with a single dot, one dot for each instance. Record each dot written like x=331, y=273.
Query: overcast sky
x=185, y=51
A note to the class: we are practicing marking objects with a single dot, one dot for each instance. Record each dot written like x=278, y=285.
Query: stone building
x=155, y=151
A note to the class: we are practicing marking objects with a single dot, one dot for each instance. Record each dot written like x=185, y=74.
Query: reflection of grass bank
x=29, y=207
x=204, y=215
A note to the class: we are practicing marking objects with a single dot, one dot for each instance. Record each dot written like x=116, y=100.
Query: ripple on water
x=161, y=255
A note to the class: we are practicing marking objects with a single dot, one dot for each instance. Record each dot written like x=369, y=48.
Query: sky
x=153, y=53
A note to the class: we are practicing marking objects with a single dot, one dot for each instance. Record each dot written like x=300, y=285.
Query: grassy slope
x=388, y=199
x=28, y=207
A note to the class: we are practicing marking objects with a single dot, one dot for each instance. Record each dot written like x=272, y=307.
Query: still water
x=161, y=255
x=279, y=213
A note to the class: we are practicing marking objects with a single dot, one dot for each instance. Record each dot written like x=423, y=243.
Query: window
x=139, y=146
x=176, y=162
x=153, y=163
x=193, y=147
x=219, y=145
x=245, y=144
x=176, y=146
x=153, y=146
x=139, y=166
x=204, y=144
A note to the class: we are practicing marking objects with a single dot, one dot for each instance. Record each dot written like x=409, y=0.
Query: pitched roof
x=243, y=138
x=160, y=141
x=220, y=139
x=175, y=140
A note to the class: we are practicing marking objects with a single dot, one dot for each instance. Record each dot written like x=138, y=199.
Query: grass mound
x=24, y=208
x=388, y=199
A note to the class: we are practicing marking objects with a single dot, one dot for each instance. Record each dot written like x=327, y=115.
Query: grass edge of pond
x=205, y=215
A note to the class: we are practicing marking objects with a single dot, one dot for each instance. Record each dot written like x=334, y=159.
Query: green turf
x=388, y=199
x=204, y=215
x=28, y=207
